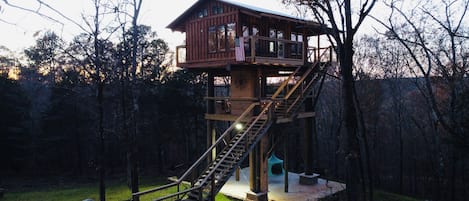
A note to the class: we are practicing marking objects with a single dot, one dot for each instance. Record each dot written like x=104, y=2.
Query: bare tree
x=131, y=137
x=94, y=28
x=345, y=21
x=435, y=36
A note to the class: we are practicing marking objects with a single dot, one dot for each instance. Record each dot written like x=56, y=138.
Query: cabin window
x=212, y=39
x=272, y=34
x=247, y=41
x=294, y=46
x=247, y=46
x=217, y=10
x=255, y=32
x=300, y=44
x=245, y=31
x=202, y=13
x=221, y=38
x=231, y=35
x=280, y=45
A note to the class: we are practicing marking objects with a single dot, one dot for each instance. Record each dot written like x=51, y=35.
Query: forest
x=109, y=104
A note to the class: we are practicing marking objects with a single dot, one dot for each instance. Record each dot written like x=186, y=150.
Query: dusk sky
x=19, y=27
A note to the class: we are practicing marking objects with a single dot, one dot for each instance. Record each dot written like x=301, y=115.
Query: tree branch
x=363, y=13
x=37, y=11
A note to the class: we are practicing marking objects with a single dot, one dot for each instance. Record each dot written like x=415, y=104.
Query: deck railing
x=259, y=49
x=266, y=50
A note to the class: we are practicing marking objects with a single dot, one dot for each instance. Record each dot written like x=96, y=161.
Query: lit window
x=212, y=39
x=294, y=46
x=280, y=45
x=272, y=34
x=255, y=32
x=300, y=44
x=247, y=46
x=231, y=35
x=221, y=38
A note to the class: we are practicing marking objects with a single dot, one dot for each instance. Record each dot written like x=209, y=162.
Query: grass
x=115, y=191
x=385, y=196
x=118, y=191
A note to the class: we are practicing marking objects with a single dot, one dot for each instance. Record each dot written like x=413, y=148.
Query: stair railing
x=245, y=135
x=306, y=74
x=305, y=87
x=177, y=183
x=285, y=83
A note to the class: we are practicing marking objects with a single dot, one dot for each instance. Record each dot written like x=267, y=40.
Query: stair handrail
x=304, y=76
x=202, y=158
x=285, y=83
x=305, y=88
x=266, y=108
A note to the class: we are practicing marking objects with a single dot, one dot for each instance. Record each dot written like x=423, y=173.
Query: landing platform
x=296, y=192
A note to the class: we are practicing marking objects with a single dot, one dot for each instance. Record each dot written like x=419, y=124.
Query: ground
x=57, y=189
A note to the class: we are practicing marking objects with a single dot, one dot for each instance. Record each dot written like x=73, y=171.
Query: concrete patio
x=296, y=192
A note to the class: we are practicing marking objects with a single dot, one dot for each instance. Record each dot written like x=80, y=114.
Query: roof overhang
x=178, y=25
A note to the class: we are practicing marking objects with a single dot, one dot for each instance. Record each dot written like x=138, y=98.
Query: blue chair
x=275, y=165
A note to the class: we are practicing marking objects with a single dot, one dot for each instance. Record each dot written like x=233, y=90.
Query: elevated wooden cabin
x=247, y=45
x=214, y=28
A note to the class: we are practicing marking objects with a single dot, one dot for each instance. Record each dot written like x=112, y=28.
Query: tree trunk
x=401, y=155
x=464, y=181
x=78, y=149
x=452, y=180
x=133, y=151
x=352, y=159
x=101, y=165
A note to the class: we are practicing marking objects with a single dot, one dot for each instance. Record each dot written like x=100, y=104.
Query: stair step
x=222, y=165
x=228, y=155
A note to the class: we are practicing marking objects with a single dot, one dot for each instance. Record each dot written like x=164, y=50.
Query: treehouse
x=271, y=71
x=226, y=33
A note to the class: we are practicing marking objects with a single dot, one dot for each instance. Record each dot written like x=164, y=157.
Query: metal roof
x=174, y=25
x=261, y=10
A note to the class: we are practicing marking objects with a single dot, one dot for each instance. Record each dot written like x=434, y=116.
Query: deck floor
x=297, y=192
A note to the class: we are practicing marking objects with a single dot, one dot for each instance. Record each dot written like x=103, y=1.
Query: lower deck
x=238, y=189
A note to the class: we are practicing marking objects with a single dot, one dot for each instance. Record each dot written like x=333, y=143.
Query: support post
x=258, y=171
x=263, y=85
x=212, y=189
x=285, y=163
x=308, y=138
x=210, y=110
x=308, y=177
x=319, y=48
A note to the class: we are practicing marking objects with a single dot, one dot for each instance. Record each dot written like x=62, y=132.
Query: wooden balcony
x=273, y=51
x=258, y=50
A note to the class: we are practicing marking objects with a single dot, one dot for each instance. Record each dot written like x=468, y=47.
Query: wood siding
x=200, y=18
x=197, y=33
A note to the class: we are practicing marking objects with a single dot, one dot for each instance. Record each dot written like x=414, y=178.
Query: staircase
x=287, y=105
x=255, y=121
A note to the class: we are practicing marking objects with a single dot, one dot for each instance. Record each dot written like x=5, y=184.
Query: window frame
x=219, y=38
x=212, y=39
x=230, y=35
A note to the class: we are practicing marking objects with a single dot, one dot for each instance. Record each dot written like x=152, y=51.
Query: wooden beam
x=221, y=117
x=306, y=115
